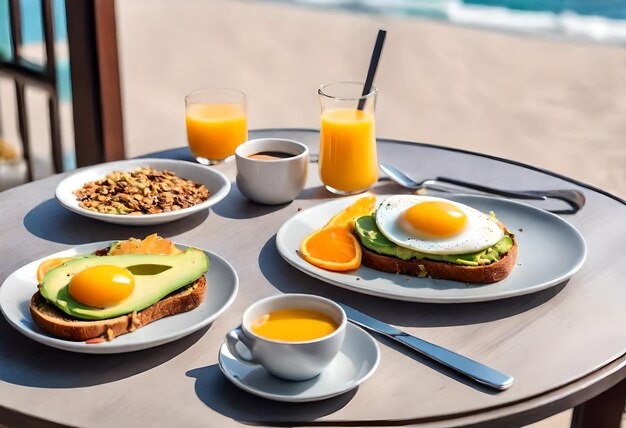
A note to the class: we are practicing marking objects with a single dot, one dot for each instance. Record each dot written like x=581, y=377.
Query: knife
x=468, y=367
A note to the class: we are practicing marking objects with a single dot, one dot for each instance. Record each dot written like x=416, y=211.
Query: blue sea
x=613, y=9
x=602, y=21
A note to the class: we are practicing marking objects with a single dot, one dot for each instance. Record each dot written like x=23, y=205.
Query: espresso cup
x=271, y=180
x=287, y=359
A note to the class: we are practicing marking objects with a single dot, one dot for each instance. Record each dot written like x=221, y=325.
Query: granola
x=141, y=191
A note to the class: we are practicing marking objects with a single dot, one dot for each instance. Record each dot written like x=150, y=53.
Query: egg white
x=480, y=231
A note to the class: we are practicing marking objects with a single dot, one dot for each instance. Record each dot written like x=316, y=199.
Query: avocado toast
x=162, y=285
x=377, y=253
x=484, y=265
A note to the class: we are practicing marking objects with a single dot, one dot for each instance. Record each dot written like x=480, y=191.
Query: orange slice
x=48, y=265
x=347, y=216
x=333, y=248
x=152, y=244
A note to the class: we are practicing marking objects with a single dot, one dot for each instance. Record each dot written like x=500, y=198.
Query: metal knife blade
x=466, y=366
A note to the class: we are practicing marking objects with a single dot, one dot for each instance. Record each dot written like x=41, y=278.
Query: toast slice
x=493, y=272
x=58, y=324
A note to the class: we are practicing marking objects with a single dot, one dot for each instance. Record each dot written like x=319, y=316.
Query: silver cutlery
x=574, y=198
x=466, y=366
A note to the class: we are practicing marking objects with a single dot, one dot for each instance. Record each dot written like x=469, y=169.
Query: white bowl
x=215, y=181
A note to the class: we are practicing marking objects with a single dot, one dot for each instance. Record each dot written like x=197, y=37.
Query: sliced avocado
x=371, y=237
x=156, y=276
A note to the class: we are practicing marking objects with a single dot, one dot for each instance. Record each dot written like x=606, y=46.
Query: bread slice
x=493, y=272
x=58, y=324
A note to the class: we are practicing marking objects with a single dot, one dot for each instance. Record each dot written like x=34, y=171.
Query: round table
x=563, y=345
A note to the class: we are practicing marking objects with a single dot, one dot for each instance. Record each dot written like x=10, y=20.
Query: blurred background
x=538, y=81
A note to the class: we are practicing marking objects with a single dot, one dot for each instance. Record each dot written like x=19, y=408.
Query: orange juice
x=348, y=160
x=294, y=325
x=215, y=130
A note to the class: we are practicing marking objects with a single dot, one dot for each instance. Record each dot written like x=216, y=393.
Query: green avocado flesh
x=155, y=276
x=371, y=238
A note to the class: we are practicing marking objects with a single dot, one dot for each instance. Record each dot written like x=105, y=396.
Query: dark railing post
x=22, y=118
x=92, y=41
x=110, y=87
x=53, y=100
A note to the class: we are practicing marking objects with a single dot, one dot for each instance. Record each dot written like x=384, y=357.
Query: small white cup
x=288, y=360
x=272, y=182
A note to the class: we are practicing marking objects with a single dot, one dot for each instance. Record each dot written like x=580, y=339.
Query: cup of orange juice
x=216, y=123
x=294, y=336
x=348, y=161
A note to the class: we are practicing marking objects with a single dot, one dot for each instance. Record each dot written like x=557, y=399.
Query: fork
x=574, y=198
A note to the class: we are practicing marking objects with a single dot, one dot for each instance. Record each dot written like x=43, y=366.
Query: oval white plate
x=357, y=360
x=550, y=251
x=19, y=287
x=215, y=181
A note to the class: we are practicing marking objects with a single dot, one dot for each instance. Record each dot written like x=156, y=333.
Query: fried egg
x=435, y=225
x=102, y=286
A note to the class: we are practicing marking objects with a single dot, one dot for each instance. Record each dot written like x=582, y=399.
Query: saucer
x=357, y=360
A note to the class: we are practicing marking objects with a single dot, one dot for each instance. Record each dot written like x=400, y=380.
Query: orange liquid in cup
x=348, y=159
x=294, y=325
x=215, y=130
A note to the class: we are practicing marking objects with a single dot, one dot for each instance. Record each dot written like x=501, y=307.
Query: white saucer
x=357, y=360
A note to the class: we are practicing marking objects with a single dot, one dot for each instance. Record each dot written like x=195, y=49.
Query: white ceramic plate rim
x=110, y=347
x=288, y=250
x=351, y=329
x=64, y=189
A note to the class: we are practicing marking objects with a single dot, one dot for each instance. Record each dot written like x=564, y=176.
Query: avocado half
x=156, y=276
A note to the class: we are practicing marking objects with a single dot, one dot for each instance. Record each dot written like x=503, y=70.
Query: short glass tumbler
x=348, y=161
x=216, y=123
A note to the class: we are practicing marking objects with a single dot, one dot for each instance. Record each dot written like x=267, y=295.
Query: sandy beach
x=548, y=103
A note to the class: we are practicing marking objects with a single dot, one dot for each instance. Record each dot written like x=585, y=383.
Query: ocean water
x=602, y=21
x=614, y=9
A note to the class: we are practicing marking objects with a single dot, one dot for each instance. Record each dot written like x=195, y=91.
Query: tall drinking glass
x=216, y=123
x=348, y=161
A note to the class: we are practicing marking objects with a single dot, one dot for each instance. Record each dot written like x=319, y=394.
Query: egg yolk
x=102, y=286
x=434, y=220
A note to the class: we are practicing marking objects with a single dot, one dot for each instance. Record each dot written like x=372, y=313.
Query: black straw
x=378, y=48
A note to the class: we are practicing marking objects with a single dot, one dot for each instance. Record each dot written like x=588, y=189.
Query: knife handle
x=475, y=370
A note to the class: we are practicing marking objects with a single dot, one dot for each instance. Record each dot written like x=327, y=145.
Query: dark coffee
x=271, y=155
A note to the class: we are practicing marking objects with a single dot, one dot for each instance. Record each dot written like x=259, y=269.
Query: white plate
x=550, y=251
x=357, y=360
x=19, y=287
x=215, y=181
